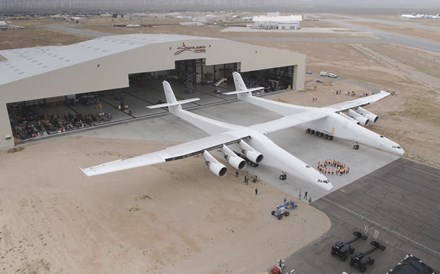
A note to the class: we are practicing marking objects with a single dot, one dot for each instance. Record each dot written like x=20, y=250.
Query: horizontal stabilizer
x=181, y=102
x=243, y=91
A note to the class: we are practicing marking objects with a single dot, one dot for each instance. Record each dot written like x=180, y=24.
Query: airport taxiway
x=397, y=203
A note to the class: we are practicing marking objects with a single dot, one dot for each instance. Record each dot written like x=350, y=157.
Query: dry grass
x=425, y=34
x=424, y=61
x=35, y=37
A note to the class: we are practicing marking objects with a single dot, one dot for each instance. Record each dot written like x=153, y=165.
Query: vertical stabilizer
x=172, y=103
x=238, y=81
x=169, y=94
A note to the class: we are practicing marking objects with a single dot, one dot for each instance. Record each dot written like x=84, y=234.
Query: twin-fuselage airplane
x=252, y=142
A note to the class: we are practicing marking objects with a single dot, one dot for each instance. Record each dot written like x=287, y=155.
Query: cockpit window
x=398, y=147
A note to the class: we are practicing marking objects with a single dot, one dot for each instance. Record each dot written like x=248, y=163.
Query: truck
x=332, y=75
x=323, y=73
x=282, y=209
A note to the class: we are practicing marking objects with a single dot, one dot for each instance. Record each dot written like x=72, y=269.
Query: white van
x=323, y=73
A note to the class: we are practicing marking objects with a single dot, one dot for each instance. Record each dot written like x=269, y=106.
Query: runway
x=397, y=203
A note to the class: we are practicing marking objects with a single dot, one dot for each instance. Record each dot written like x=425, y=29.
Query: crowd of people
x=332, y=167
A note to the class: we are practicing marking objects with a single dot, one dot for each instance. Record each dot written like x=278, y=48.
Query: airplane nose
x=401, y=152
x=325, y=184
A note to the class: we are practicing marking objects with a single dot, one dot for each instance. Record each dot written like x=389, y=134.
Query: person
x=245, y=179
x=285, y=200
x=299, y=195
x=256, y=191
x=310, y=199
x=255, y=179
x=305, y=195
x=236, y=173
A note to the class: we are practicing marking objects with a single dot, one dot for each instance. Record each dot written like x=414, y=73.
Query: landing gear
x=283, y=176
x=356, y=146
x=319, y=134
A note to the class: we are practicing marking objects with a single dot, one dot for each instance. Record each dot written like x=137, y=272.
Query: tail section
x=240, y=86
x=169, y=94
x=172, y=103
x=238, y=81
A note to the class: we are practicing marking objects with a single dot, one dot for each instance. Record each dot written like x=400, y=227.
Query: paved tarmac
x=399, y=204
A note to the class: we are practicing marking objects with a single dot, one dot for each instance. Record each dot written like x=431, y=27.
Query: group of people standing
x=333, y=167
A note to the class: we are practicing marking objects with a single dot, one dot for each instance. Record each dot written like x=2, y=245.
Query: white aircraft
x=330, y=121
x=437, y=16
x=413, y=16
x=250, y=141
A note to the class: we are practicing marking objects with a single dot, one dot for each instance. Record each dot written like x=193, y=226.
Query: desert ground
x=160, y=219
x=164, y=219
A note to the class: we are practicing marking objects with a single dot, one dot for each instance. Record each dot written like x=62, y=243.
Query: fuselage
x=278, y=158
x=343, y=128
x=273, y=155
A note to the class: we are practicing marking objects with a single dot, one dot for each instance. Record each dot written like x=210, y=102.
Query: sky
x=268, y=5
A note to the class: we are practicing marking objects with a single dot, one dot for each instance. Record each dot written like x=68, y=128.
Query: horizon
x=224, y=5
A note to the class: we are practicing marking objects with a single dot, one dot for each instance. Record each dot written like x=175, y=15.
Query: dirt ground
x=425, y=34
x=159, y=219
x=164, y=219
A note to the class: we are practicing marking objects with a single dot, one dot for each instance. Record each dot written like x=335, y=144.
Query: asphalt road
x=398, y=204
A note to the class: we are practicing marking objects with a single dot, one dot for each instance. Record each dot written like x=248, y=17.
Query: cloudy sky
x=290, y=5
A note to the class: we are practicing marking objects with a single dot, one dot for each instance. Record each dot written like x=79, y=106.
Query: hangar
x=82, y=73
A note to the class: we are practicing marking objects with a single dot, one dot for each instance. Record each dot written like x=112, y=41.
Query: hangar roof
x=27, y=62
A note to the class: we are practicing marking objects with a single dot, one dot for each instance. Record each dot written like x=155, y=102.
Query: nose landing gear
x=283, y=176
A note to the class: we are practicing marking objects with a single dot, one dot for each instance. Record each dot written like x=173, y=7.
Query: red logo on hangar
x=195, y=49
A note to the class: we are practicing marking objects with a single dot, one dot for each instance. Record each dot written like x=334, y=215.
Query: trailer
x=343, y=249
x=361, y=259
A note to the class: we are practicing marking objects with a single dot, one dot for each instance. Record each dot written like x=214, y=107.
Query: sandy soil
x=160, y=219
x=424, y=61
x=34, y=37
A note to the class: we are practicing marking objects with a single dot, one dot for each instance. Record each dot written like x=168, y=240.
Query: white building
x=112, y=62
x=277, y=22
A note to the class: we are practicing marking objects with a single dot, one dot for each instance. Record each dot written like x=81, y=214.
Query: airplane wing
x=289, y=121
x=176, y=152
x=359, y=102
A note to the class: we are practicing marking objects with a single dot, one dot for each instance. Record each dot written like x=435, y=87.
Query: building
x=3, y=25
x=31, y=76
x=291, y=22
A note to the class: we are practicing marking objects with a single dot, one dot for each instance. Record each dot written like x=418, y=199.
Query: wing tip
x=86, y=171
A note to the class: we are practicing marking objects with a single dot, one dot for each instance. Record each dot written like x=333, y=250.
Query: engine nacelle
x=373, y=117
x=233, y=159
x=358, y=117
x=250, y=152
x=215, y=166
x=349, y=118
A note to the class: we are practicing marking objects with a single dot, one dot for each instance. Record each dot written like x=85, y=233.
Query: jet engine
x=373, y=117
x=215, y=166
x=349, y=118
x=358, y=117
x=233, y=159
x=250, y=152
